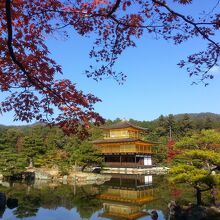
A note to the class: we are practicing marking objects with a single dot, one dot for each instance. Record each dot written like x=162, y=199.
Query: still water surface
x=123, y=197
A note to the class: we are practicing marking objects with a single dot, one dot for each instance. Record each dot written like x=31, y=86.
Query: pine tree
x=200, y=157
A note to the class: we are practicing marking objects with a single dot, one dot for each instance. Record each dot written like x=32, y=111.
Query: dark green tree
x=11, y=162
x=197, y=163
x=86, y=154
x=208, y=123
x=185, y=125
x=33, y=148
x=161, y=126
x=12, y=135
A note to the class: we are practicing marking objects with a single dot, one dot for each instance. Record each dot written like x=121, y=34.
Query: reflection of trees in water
x=185, y=200
x=2, y=204
x=20, y=196
x=27, y=207
x=86, y=204
x=166, y=192
x=31, y=199
x=84, y=199
x=10, y=203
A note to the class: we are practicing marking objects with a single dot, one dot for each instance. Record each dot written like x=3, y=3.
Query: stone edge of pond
x=86, y=178
x=79, y=178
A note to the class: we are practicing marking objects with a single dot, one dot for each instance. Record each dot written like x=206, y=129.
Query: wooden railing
x=121, y=134
x=127, y=149
x=124, y=164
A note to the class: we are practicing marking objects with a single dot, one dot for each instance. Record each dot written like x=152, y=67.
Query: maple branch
x=125, y=24
x=9, y=42
x=113, y=55
x=163, y=4
x=206, y=23
x=116, y=5
x=39, y=85
x=134, y=26
x=63, y=26
x=216, y=5
x=66, y=25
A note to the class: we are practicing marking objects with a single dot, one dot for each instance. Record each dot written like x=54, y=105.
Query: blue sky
x=155, y=85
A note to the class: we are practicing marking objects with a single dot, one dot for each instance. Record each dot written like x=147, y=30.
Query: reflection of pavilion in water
x=126, y=195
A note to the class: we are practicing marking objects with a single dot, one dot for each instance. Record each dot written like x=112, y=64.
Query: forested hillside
x=175, y=127
x=180, y=124
x=200, y=116
x=45, y=146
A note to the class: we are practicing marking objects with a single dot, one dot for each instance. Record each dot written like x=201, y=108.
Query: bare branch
x=216, y=5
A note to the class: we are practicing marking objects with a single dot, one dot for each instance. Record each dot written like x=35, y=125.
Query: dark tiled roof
x=120, y=140
x=123, y=124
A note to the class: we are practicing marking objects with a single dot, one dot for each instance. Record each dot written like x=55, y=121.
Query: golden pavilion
x=123, y=146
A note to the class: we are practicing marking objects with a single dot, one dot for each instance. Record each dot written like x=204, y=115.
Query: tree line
x=44, y=147
x=195, y=146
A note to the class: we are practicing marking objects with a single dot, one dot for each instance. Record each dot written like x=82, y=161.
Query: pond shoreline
x=83, y=178
x=74, y=177
x=193, y=211
x=141, y=171
x=53, y=175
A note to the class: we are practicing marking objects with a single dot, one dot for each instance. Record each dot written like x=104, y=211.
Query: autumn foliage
x=28, y=73
x=171, y=151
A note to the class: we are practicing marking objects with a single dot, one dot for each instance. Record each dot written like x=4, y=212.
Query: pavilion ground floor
x=128, y=160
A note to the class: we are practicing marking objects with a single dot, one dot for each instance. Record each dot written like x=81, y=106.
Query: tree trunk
x=198, y=196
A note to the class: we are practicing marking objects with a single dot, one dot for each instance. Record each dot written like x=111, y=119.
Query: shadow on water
x=123, y=197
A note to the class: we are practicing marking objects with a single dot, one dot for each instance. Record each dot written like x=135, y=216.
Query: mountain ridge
x=198, y=116
x=193, y=116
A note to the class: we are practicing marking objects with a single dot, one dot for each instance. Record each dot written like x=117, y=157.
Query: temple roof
x=127, y=201
x=123, y=124
x=126, y=216
x=121, y=140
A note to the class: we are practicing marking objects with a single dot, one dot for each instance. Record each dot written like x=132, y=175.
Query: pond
x=123, y=197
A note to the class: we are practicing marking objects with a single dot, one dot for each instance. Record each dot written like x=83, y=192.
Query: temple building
x=123, y=146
